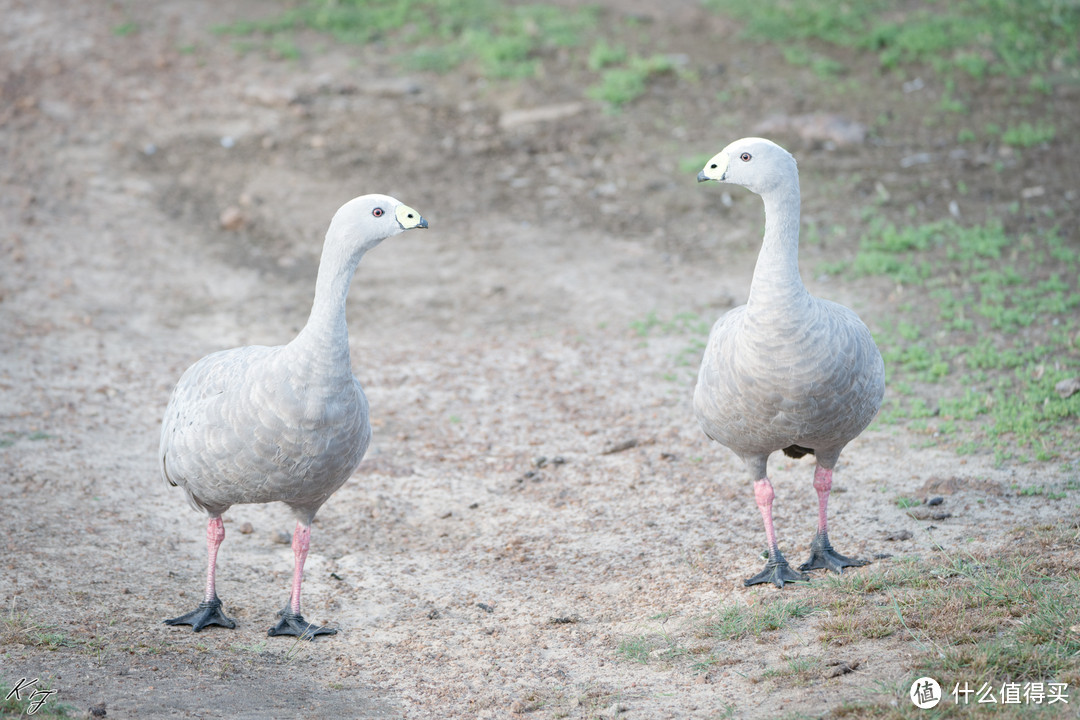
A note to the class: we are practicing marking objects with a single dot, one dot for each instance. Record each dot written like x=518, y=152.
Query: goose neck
x=326, y=332
x=776, y=275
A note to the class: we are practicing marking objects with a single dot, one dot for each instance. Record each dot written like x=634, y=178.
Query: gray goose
x=287, y=423
x=786, y=371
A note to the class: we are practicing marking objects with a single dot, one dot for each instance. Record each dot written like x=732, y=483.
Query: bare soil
x=468, y=578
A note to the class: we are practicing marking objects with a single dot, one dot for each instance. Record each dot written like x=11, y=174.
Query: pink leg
x=822, y=553
x=763, y=494
x=776, y=570
x=823, y=484
x=292, y=622
x=300, y=543
x=209, y=611
x=215, y=534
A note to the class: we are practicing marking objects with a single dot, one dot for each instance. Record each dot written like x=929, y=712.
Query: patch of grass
x=636, y=649
x=604, y=55
x=737, y=622
x=35, y=699
x=796, y=671
x=1026, y=134
x=976, y=38
x=684, y=323
x=659, y=645
x=10, y=437
x=125, y=29
x=974, y=620
x=998, y=319
x=1008, y=616
x=625, y=83
x=821, y=65
x=692, y=641
x=505, y=41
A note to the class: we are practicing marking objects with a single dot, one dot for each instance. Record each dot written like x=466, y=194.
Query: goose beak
x=409, y=218
x=715, y=169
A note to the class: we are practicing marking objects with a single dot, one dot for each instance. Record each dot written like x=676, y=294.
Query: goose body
x=787, y=371
x=262, y=424
x=284, y=424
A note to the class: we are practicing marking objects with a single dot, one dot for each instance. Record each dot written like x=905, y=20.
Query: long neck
x=776, y=275
x=325, y=337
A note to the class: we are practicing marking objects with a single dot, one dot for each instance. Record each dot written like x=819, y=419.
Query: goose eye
x=745, y=157
x=713, y=166
x=377, y=212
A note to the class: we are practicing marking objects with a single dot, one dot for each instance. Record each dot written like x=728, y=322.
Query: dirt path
x=468, y=577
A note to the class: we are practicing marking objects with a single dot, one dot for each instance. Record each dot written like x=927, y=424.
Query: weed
x=504, y=40
x=979, y=333
x=736, y=622
x=604, y=55
x=125, y=29
x=626, y=83
x=1027, y=135
x=636, y=649
x=976, y=39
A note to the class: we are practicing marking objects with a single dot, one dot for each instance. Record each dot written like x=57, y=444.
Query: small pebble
x=228, y=141
x=935, y=501
x=283, y=538
x=232, y=218
x=246, y=529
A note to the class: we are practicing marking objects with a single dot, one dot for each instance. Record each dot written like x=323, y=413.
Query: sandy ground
x=468, y=578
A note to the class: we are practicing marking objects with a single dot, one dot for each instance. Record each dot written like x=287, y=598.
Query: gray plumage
x=786, y=371
x=263, y=424
x=287, y=423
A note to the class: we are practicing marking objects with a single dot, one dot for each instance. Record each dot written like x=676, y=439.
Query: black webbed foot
x=208, y=613
x=777, y=571
x=822, y=556
x=294, y=624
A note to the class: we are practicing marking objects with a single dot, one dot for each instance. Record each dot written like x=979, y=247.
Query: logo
x=925, y=693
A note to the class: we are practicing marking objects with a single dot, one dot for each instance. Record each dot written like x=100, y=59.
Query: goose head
x=757, y=164
x=364, y=222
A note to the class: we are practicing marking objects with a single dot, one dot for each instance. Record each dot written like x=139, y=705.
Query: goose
x=786, y=371
x=288, y=423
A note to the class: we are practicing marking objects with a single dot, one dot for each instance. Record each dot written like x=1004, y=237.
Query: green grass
x=1005, y=616
x=738, y=622
x=978, y=39
x=1026, y=134
x=499, y=40
x=504, y=41
x=604, y=55
x=685, y=323
x=38, y=700
x=623, y=84
x=980, y=620
x=125, y=29
x=995, y=330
